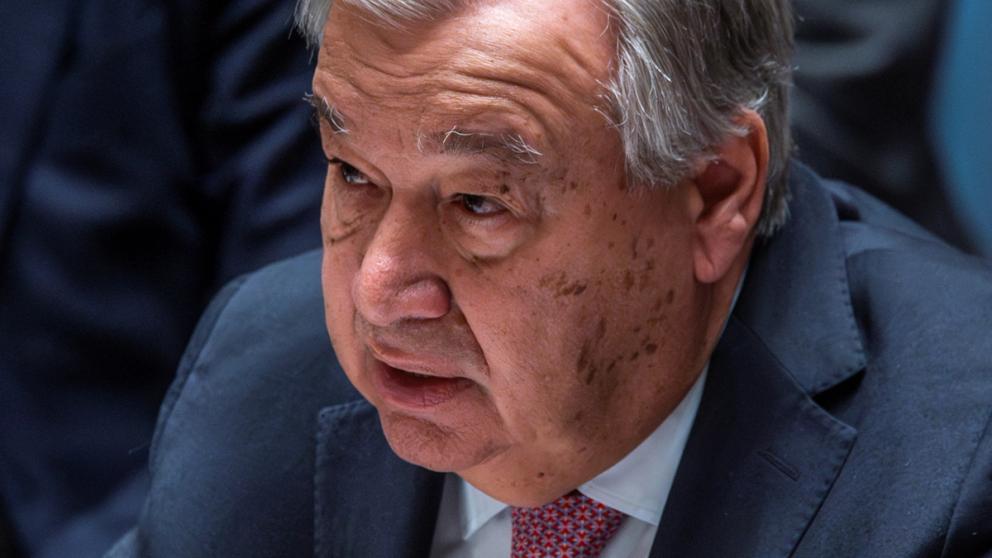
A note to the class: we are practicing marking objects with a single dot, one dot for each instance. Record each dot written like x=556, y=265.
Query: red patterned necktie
x=573, y=526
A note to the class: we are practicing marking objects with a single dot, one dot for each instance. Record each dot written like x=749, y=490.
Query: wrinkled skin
x=569, y=307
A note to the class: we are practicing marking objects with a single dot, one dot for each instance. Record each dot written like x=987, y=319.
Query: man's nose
x=399, y=276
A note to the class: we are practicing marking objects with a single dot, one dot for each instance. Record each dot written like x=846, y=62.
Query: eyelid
x=489, y=222
x=501, y=207
x=341, y=163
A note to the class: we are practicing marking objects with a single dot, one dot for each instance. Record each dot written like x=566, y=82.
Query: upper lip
x=427, y=365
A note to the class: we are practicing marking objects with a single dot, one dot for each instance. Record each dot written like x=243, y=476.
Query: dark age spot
x=584, y=366
x=628, y=280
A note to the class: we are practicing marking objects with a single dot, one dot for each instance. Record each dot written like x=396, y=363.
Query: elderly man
x=577, y=314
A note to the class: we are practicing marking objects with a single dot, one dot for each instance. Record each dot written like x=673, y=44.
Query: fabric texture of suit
x=149, y=153
x=846, y=413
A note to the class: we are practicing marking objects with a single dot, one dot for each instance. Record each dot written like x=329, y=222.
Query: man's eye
x=350, y=174
x=479, y=205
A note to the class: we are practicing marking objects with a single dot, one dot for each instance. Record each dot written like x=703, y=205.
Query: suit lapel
x=369, y=502
x=762, y=455
x=796, y=298
x=759, y=461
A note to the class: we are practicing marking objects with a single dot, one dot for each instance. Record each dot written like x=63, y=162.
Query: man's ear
x=730, y=190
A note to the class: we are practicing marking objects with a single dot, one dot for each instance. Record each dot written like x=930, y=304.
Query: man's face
x=492, y=287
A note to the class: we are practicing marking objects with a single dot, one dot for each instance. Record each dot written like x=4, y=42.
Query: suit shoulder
x=921, y=401
x=275, y=320
x=922, y=306
x=239, y=437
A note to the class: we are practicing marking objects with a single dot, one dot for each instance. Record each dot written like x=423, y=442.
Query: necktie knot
x=573, y=526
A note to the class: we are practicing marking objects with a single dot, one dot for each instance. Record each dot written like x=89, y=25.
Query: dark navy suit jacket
x=150, y=152
x=846, y=414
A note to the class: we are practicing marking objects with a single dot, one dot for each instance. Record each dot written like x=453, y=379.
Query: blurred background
x=150, y=151
x=895, y=96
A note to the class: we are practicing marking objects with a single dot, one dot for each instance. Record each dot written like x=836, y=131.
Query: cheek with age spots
x=560, y=285
x=650, y=331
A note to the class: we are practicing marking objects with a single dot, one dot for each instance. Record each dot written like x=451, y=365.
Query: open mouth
x=416, y=390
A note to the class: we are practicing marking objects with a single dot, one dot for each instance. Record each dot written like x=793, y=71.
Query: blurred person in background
x=962, y=118
x=874, y=96
x=149, y=153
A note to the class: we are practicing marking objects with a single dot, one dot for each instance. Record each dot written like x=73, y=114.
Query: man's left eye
x=480, y=206
x=350, y=174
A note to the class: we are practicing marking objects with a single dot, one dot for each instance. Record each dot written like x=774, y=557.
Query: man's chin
x=433, y=446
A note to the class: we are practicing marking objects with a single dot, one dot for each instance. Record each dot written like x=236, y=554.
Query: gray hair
x=685, y=69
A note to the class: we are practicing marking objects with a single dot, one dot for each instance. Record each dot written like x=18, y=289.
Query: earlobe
x=730, y=189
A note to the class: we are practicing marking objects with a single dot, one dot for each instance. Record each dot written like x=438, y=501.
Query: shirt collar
x=477, y=507
x=637, y=485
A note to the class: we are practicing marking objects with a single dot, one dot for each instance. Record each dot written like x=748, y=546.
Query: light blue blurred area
x=963, y=117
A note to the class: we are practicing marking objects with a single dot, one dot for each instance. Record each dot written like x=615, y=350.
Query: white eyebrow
x=328, y=112
x=456, y=140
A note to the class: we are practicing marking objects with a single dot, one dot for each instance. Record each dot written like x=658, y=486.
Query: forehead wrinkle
x=353, y=94
x=391, y=67
x=528, y=83
x=338, y=47
x=590, y=73
x=509, y=145
x=491, y=76
x=552, y=65
x=454, y=116
x=464, y=104
x=378, y=78
x=365, y=85
x=537, y=87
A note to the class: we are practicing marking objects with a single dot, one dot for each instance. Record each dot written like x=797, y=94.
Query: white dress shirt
x=472, y=525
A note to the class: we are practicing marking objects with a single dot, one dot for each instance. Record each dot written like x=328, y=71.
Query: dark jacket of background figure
x=863, y=103
x=149, y=152
x=846, y=414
